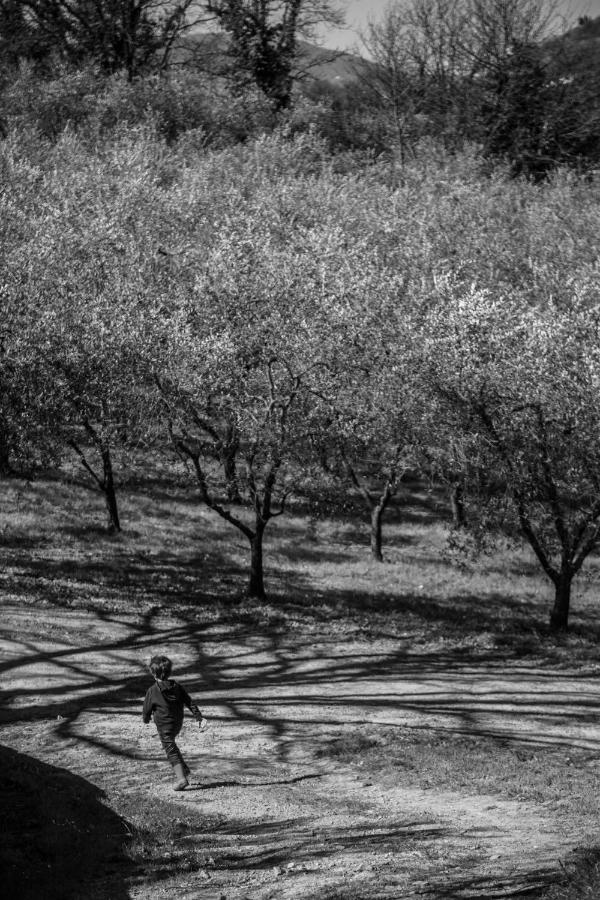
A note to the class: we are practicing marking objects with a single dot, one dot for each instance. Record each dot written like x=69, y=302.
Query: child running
x=164, y=703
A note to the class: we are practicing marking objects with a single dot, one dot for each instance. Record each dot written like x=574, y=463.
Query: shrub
x=94, y=105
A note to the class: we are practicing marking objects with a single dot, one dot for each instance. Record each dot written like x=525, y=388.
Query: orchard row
x=277, y=323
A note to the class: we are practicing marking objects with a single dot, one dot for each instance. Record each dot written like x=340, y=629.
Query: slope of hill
x=208, y=51
x=581, y=45
x=332, y=66
x=577, y=50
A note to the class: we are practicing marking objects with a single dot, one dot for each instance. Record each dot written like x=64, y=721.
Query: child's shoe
x=182, y=782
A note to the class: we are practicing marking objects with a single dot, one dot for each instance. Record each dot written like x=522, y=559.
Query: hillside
x=208, y=51
x=330, y=65
x=579, y=49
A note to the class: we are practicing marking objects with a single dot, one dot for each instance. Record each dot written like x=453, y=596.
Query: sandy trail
x=280, y=819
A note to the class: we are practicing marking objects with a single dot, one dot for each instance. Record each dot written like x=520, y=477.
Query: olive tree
x=370, y=395
x=236, y=368
x=514, y=405
x=25, y=442
x=78, y=257
x=99, y=406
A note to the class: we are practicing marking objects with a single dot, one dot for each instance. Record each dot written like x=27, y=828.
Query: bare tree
x=495, y=28
x=421, y=44
x=388, y=80
x=432, y=57
x=120, y=34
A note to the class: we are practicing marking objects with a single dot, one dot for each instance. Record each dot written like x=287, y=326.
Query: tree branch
x=86, y=464
x=205, y=494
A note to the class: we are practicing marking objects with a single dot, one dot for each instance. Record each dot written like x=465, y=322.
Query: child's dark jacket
x=164, y=702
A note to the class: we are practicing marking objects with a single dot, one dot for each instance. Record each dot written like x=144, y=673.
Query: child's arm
x=193, y=709
x=147, y=711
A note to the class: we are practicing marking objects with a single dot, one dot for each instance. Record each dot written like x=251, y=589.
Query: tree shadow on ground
x=243, y=844
x=460, y=615
x=262, y=659
x=217, y=578
x=59, y=841
x=96, y=569
x=518, y=622
x=532, y=885
x=235, y=674
x=581, y=875
x=163, y=577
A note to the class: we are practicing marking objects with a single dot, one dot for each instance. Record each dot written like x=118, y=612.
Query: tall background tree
x=263, y=39
x=492, y=71
x=20, y=37
x=538, y=113
x=236, y=368
x=129, y=35
x=513, y=400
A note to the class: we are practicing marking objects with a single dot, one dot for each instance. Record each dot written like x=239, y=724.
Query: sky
x=358, y=13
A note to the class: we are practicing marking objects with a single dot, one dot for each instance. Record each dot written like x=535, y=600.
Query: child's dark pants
x=167, y=738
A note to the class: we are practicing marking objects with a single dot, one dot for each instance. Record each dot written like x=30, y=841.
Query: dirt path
x=276, y=816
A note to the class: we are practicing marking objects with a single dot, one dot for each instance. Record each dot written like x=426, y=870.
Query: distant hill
x=579, y=48
x=587, y=30
x=333, y=66
x=321, y=63
x=577, y=51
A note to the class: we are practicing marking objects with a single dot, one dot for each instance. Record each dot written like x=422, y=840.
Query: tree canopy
x=133, y=35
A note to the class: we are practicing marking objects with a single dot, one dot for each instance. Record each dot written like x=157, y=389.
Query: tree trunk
x=559, y=617
x=231, y=482
x=456, y=502
x=5, y=468
x=376, y=532
x=110, y=493
x=377, y=511
x=228, y=454
x=256, y=587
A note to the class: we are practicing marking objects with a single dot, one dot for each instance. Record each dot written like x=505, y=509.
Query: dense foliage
x=130, y=35
x=291, y=291
x=277, y=319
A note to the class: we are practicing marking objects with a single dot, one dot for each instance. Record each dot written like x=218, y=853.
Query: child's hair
x=160, y=667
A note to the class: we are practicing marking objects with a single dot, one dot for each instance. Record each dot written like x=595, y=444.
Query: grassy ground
x=173, y=556
x=173, y=551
